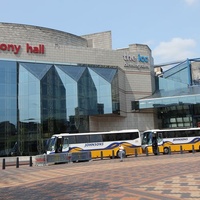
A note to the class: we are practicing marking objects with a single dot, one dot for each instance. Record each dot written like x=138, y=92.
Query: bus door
x=65, y=144
x=157, y=142
x=146, y=141
x=154, y=143
x=58, y=144
x=160, y=139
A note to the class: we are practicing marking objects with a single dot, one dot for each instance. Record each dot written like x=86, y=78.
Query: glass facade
x=38, y=100
x=177, y=96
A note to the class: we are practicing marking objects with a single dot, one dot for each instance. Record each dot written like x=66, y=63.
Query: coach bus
x=98, y=143
x=171, y=139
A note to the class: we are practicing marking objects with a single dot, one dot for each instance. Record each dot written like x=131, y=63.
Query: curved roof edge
x=38, y=27
x=47, y=34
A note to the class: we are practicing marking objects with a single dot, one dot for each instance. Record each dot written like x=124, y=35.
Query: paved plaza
x=167, y=177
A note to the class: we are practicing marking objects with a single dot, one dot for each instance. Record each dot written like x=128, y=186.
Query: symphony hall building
x=53, y=82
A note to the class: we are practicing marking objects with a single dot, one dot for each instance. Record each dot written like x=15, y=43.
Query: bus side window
x=82, y=138
x=177, y=134
x=164, y=135
x=120, y=136
x=195, y=133
x=105, y=138
x=96, y=138
x=132, y=136
x=72, y=139
x=109, y=137
x=192, y=133
x=171, y=134
x=112, y=137
x=181, y=134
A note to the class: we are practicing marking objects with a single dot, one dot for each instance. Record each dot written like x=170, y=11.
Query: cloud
x=174, y=50
x=190, y=2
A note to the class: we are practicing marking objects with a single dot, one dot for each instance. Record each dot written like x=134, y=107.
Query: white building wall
x=101, y=40
x=141, y=121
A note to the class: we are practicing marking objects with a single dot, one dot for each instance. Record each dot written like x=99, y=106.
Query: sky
x=171, y=28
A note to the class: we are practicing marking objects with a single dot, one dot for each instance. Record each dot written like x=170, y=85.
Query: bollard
x=101, y=155
x=158, y=151
x=181, y=149
x=170, y=151
x=30, y=163
x=17, y=162
x=192, y=148
x=136, y=154
x=146, y=149
x=45, y=159
x=4, y=164
x=113, y=154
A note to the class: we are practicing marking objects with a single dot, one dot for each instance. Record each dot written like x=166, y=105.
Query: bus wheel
x=166, y=150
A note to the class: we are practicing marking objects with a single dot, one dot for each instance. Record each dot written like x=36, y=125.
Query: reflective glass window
x=8, y=91
x=52, y=99
x=29, y=95
x=8, y=109
x=197, y=97
x=195, y=66
x=179, y=73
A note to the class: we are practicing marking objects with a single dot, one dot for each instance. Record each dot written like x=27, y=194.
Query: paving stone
x=137, y=178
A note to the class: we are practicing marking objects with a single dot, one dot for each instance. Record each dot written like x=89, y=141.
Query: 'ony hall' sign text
x=14, y=48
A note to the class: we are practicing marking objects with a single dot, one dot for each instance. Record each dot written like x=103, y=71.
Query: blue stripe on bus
x=111, y=146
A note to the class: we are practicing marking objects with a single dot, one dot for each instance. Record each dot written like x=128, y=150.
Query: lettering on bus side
x=94, y=144
x=180, y=139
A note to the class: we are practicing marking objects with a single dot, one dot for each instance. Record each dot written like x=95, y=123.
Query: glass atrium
x=38, y=100
x=177, y=96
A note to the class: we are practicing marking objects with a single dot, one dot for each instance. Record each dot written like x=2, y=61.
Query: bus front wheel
x=166, y=150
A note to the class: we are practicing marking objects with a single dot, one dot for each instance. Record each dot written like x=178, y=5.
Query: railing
x=16, y=162
x=61, y=158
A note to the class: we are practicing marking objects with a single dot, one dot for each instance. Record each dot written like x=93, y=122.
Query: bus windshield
x=147, y=138
x=52, y=143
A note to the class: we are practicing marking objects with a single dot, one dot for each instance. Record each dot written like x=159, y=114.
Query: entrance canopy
x=190, y=95
x=176, y=86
